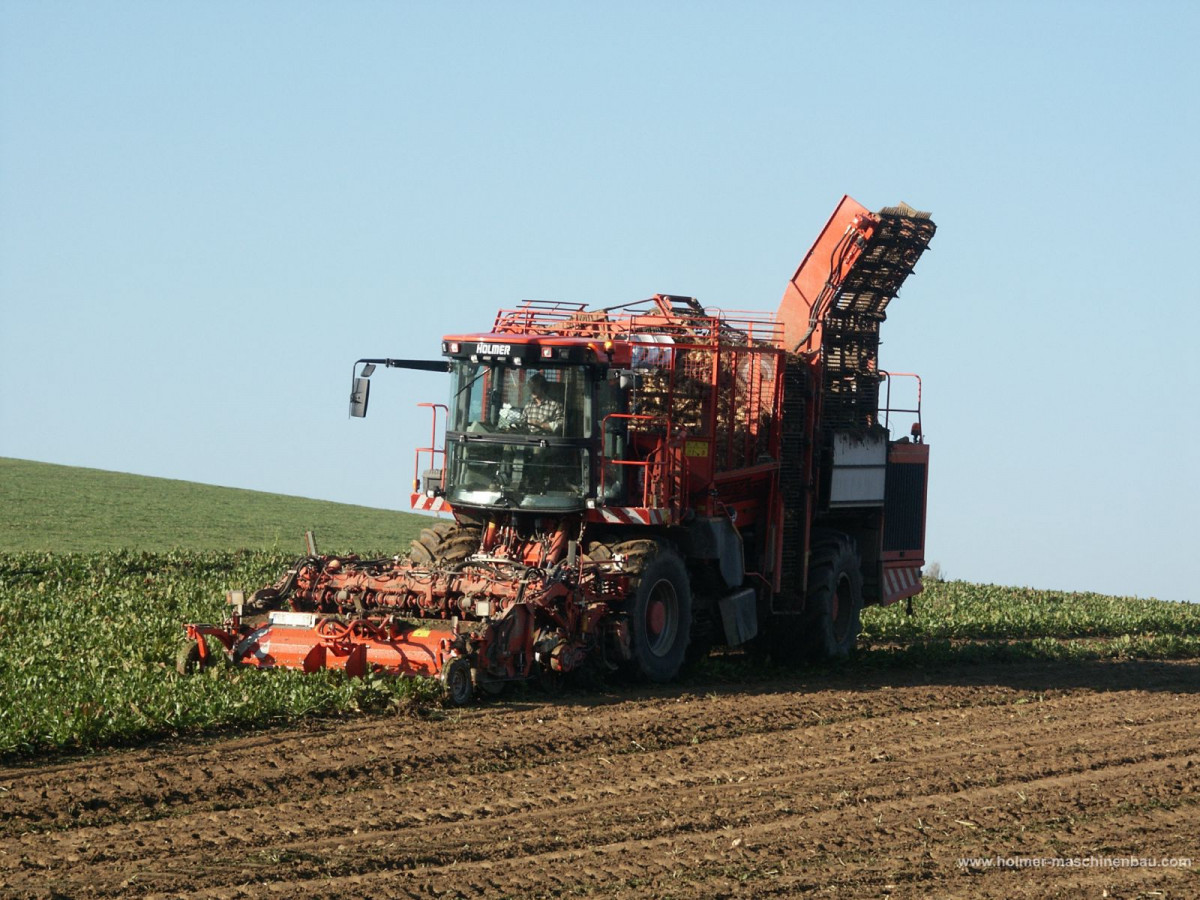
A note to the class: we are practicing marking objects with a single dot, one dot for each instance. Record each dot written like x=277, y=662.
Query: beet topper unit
x=626, y=487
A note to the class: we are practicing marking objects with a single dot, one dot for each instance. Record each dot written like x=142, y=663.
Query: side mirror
x=359, y=396
x=627, y=379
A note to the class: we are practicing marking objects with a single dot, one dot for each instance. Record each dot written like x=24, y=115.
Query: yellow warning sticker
x=695, y=448
x=419, y=632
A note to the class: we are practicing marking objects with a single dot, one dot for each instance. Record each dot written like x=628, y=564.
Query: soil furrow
x=792, y=787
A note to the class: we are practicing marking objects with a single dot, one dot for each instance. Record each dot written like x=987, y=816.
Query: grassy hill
x=66, y=509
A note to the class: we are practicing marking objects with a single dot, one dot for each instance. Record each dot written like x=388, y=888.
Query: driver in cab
x=543, y=414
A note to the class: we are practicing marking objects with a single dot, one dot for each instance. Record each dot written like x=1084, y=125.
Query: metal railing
x=886, y=409
x=433, y=450
x=664, y=481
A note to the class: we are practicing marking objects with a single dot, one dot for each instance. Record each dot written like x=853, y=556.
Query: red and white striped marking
x=433, y=504
x=900, y=583
x=633, y=515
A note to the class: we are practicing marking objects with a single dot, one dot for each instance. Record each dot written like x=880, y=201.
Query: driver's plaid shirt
x=543, y=412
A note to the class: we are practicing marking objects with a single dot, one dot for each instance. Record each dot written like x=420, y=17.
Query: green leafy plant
x=87, y=644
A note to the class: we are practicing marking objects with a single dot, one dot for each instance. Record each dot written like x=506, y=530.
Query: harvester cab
x=630, y=485
x=533, y=423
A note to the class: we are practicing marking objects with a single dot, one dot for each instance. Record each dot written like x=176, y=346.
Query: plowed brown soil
x=824, y=784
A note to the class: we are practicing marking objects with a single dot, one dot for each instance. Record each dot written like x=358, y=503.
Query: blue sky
x=209, y=210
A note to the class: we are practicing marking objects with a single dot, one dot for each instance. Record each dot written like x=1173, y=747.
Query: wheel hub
x=656, y=617
x=662, y=618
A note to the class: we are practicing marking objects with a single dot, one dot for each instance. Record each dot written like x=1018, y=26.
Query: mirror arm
x=360, y=390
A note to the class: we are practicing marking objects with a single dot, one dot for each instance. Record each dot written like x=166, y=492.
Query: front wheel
x=660, y=615
x=444, y=543
x=456, y=679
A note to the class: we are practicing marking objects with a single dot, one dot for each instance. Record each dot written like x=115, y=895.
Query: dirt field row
x=848, y=784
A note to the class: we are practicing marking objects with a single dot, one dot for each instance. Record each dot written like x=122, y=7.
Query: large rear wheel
x=833, y=606
x=828, y=626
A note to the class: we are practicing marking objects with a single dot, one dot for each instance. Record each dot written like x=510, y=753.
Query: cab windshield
x=488, y=399
x=517, y=436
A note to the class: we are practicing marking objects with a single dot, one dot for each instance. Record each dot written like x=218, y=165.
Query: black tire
x=456, y=679
x=444, y=543
x=188, y=660
x=833, y=606
x=660, y=611
x=431, y=538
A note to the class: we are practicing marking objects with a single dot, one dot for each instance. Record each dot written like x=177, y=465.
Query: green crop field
x=95, y=583
x=959, y=622
x=99, y=570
